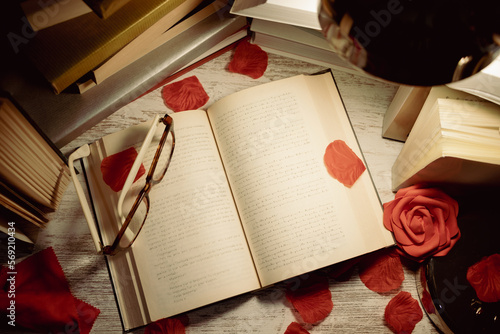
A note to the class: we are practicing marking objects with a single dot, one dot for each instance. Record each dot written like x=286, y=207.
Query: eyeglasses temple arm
x=81, y=152
x=137, y=163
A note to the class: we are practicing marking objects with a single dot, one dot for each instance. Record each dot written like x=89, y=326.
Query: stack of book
x=67, y=51
x=92, y=65
x=292, y=29
x=300, y=43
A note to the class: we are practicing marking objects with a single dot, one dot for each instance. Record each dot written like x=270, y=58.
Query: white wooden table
x=356, y=308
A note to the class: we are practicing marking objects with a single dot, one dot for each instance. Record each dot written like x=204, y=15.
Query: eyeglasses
x=133, y=202
x=134, y=199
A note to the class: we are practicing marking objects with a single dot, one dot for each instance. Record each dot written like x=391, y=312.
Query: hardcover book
x=42, y=15
x=302, y=13
x=246, y=202
x=403, y=111
x=158, y=34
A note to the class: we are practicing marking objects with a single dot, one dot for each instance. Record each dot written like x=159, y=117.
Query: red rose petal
x=176, y=325
x=342, y=163
x=484, y=277
x=116, y=167
x=249, y=59
x=186, y=94
x=312, y=299
x=382, y=271
x=295, y=328
x=402, y=313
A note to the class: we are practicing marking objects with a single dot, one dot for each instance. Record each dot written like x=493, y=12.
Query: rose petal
x=342, y=163
x=295, y=328
x=416, y=225
x=312, y=299
x=484, y=277
x=176, y=325
x=402, y=313
x=446, y=249
x=382, y=271
x=387, y=216
x=116, y=167
x=420, y=226
x=399, y=209
x=249, y=59
x=186, y=94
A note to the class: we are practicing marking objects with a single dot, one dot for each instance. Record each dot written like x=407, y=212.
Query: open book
x=246, y=202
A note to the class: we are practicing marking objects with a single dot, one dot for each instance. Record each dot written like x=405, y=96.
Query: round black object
x=446, y=295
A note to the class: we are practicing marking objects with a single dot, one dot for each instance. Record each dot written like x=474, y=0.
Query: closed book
x=403, y=111
x=65, y=116
x=455, y=142
x=159, y=33
x=65, y=52
x=42, y=15
x=34, y=174
x=304, y=13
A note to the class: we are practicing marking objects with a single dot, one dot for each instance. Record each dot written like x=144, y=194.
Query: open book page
x=296, y=217
x=192, y=250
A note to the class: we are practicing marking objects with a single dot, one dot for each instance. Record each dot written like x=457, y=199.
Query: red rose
x=423, y=221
